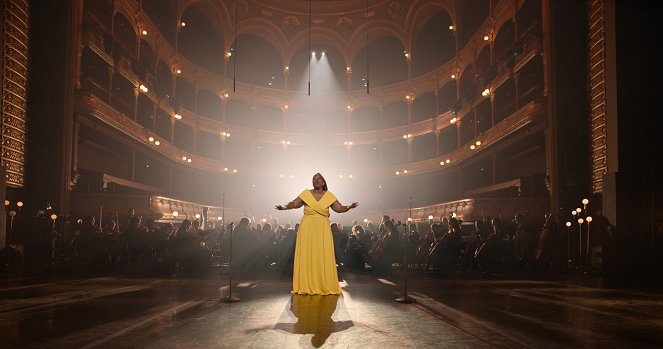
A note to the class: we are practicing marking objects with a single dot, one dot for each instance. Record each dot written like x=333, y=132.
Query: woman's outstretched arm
x=296, y=203
x=337, y=207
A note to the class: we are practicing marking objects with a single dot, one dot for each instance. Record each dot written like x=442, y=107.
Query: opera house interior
x=543, y=114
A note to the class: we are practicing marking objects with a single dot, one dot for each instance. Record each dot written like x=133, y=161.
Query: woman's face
x=318, y=181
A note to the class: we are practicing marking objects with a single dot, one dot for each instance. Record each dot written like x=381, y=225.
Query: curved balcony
x=205, y=79
x=530, y=49
x=529, y=115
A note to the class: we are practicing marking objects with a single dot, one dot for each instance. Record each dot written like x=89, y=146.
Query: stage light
x=188, y=160
x=448, y=161
x=182, y=24
x=20, y=204
x=398, y=173
x=157, y=142
x=144, y=32
x=589, y=219
x=177, y=116
x=451, y=27
x=585, y=201
x=197, y=215
x=478, y=143
x=178, y=71
x=568, y=224
x=151, y=139
x=405, y=171
x=175, y=213
x=453, y=76
x=581, y=221
x=472, y=147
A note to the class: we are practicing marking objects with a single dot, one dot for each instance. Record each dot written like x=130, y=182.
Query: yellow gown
x=315, y=264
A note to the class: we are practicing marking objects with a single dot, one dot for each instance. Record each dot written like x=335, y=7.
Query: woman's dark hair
x=324, y=186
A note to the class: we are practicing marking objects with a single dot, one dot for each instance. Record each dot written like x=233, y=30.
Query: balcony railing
x=87, y=104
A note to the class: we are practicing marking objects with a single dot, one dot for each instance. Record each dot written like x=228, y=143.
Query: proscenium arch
x=200, y=42
x=374, y=30
x=217, y=16
x=324, y=36
x=420, y=7
x=127, y=12
x=435, y=45
x=263, y=29
x=257, y=59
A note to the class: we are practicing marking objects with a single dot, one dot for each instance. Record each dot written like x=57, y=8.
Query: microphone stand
x=405, y=299
x=230, y=297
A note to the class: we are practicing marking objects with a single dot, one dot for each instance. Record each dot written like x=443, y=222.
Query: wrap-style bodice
x=317, y=207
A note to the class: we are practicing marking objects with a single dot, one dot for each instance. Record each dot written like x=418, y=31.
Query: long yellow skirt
x=315, y=264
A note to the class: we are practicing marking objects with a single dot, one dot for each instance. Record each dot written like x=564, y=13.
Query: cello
x=539, y=251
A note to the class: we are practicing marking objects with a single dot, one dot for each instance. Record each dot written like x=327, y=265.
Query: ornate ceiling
x=337, y=23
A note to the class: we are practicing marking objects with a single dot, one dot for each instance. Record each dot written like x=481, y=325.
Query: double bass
x=538, y=253
x=381, y=245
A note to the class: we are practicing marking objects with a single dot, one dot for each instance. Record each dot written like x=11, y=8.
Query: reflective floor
x=468, y=311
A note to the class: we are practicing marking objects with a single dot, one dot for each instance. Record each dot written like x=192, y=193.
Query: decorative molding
x=529, y=115
x=14, y=70
x=597, y=92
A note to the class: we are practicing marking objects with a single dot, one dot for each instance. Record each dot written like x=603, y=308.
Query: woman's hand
x=280, y=207
x=353, y=205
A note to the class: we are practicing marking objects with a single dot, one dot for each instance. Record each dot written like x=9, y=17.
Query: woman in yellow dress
x=315, y=264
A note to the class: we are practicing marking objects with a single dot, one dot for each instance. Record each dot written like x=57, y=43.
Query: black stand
x=8, y=245
x=230, y=297
x=405, y=299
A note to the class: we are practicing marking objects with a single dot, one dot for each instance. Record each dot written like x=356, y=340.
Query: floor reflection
x=314, y=316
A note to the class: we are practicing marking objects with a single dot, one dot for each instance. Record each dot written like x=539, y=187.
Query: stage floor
x=470, y=311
